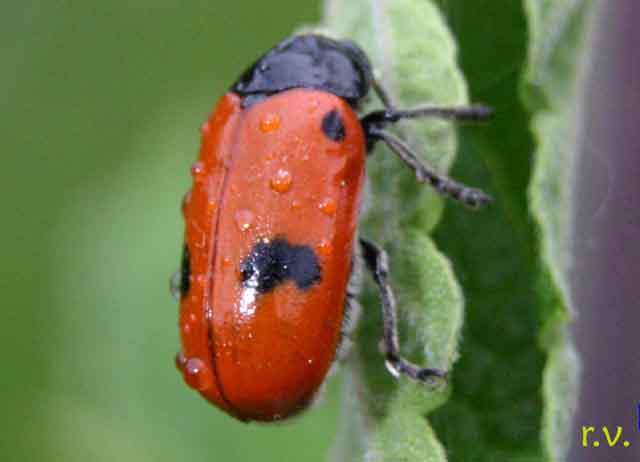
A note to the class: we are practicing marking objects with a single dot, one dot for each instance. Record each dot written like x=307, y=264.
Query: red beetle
x=271, y=225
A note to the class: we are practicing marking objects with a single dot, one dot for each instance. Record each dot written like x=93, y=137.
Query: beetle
x=271, y=246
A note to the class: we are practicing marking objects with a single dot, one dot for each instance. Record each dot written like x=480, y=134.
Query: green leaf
x=557, y=59
x=512, y=392
x=387, y=417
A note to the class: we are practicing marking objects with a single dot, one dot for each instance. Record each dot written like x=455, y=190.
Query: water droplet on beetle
x=281, y=181
x=328, y=206
x=197, y=374
x=270, y=122
x=197, y=170
x=244, y=219
x=325, y=248
x=296, y=204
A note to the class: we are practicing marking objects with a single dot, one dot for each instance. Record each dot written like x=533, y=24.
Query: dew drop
x=296, y=204
x=244, y=219
x=197, y=169
x=197, y=374
x=211, y=206
x=328, y=206
x=270, y=122
x=313, y=105
x=226, y=262
x=281, y=181
x=325, y=248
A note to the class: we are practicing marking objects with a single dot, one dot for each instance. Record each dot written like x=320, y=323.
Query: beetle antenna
x=383, y=95
x=474, y=112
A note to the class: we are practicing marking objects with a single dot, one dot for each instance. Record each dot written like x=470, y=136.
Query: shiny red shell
x=266, y=171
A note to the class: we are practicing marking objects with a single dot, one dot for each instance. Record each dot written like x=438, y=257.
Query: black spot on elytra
x=185, y=271
x=332, y=126
x=273, y=262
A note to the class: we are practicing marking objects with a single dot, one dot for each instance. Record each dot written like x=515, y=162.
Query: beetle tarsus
x=413, y=371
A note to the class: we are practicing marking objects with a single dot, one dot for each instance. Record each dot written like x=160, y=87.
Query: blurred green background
x=102, y=102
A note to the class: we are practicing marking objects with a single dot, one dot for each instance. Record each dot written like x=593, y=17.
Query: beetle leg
x=376, y=261
x=471, y=197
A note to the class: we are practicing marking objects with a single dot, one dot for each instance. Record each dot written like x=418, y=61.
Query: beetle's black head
x=308, y=61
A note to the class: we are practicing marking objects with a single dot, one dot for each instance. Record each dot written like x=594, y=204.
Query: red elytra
x=268, y=353
x=271, y=222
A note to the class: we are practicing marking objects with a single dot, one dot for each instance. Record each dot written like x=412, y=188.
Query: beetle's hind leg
x=376, y=261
